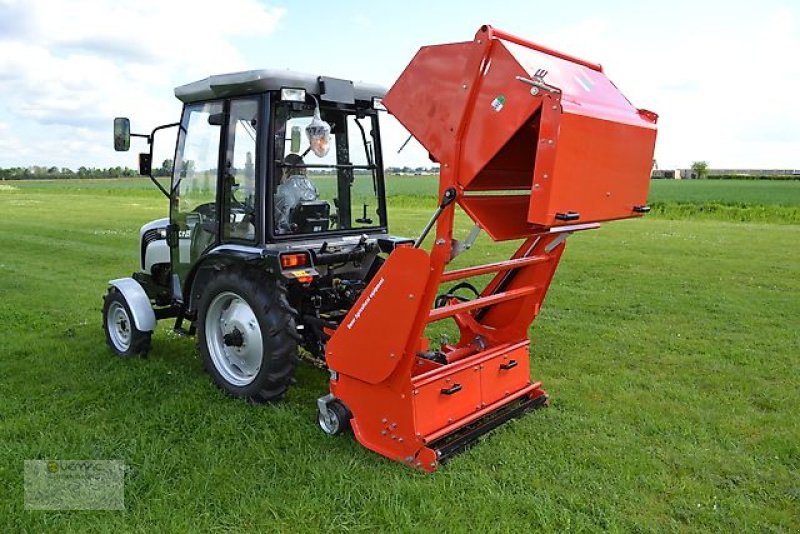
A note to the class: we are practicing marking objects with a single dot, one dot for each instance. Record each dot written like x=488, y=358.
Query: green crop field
x=670, y=346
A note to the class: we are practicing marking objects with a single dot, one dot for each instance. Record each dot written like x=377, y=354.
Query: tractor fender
x=143, y=315
x=221, y=256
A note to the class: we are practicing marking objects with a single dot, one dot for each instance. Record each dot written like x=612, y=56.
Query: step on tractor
x=277, y=237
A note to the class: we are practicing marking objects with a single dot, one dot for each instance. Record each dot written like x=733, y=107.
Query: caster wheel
x=334, y=420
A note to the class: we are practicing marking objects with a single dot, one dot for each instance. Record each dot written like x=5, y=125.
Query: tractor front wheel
x=121, y=333
x=247, y=334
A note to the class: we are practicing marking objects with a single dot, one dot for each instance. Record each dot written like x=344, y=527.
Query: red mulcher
x=533, y=145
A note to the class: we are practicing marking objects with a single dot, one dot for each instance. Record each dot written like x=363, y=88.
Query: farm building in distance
x=668, y=174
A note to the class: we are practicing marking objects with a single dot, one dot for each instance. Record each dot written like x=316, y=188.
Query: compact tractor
x=277, y=236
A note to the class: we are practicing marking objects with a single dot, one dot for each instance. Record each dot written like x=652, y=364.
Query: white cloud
x=724, y=88
x=68, y=67
x=724, y=94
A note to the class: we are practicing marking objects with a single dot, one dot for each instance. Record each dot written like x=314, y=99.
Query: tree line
x=412, y=170
x=39, y=172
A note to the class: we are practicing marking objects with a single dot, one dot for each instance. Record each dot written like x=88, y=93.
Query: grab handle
x=451, y=390
x=510, y=365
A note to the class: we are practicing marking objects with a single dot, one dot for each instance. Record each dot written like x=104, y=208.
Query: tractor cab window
x=330, y=186
x=240, y=171
x=194, y=182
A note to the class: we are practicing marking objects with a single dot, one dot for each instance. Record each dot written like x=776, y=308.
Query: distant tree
x=166, y=168
x=700, y=169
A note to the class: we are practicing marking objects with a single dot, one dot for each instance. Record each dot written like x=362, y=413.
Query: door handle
x=451, y=390
x=510, y=365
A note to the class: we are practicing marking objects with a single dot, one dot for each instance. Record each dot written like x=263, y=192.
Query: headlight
x=290, y=94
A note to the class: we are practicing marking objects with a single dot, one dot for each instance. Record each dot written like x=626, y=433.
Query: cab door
x=240, y=186
x=194, y=220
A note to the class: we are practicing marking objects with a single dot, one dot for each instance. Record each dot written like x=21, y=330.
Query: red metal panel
x=576, y=82
x=501, y=107
x=363, y=347
x=383, y=416
x=533, y=391
x=428, y=98
x=603, y=148
x=504, y=374
x=435, y=408
x=502, y=217
x=602, y=170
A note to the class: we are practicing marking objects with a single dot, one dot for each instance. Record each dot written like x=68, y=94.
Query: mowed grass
x=670, y=349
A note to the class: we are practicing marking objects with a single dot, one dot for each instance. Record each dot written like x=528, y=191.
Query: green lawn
x=746, y=192
x=735, y=200
x=669, y=345
x=741, y=192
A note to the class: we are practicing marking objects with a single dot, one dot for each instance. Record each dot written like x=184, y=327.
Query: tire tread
x=279, y=329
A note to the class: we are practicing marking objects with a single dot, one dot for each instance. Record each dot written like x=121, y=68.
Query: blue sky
x=723, y=76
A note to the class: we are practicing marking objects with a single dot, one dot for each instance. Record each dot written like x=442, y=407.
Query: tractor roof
x=258, y=81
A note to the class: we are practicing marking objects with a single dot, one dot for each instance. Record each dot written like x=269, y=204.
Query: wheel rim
x=119, y=326
x=328, y=422
x=233, y=337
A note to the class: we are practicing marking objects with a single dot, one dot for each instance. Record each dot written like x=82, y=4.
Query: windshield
x=338, y=191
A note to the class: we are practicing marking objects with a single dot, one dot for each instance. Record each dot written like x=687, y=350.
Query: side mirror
x=145, y=164
x=295, y=147
x=122, y=134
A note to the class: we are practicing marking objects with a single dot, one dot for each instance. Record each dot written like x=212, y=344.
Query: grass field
x=733, y=200
x=669, y=344
x=744, y=192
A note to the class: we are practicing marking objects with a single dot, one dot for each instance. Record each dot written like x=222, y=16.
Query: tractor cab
x=265, y=161
x=267, y=157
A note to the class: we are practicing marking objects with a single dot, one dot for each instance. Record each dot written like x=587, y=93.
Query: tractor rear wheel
x=121, y=333
x=247, y=334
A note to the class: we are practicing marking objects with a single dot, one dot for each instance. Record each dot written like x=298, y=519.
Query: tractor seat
x=311, y=217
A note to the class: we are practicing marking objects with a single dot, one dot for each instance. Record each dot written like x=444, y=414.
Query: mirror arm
x=163, y=126
x=150, y=139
